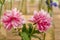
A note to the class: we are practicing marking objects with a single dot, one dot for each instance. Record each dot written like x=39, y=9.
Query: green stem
x=0, y=14
x=30, y=38
x=50, y=10
x=44, y=36
x=1, y=5
x=36, y=37
x=0, y=10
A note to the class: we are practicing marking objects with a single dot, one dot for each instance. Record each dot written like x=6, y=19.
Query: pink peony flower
x=42, y=19
x=12, y=18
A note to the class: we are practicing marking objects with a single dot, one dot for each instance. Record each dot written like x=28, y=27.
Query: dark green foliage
x=27, y=33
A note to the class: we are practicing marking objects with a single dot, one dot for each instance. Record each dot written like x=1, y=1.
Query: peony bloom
x=42, y=19
x=12, y=18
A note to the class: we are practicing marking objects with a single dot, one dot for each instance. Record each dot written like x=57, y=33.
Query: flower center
x=12, y=18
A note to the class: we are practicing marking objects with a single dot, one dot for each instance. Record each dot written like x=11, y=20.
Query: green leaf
x=36, y=37
x=24, y=29
x=30, y=27
x=24, y=36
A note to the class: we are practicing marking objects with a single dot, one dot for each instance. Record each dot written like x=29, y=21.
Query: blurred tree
x=1, y=5
x=24, y=6
x=32, y=1
x=40, y=5
x=59, y=3
x=8, y=4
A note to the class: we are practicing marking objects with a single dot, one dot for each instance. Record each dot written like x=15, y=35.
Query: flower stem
x=0, y=11
x=0, y=14
x=44, y=35
x=50, y=10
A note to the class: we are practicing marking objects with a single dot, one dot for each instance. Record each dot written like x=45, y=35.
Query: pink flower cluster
x=12, y=18
x=42, y=19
